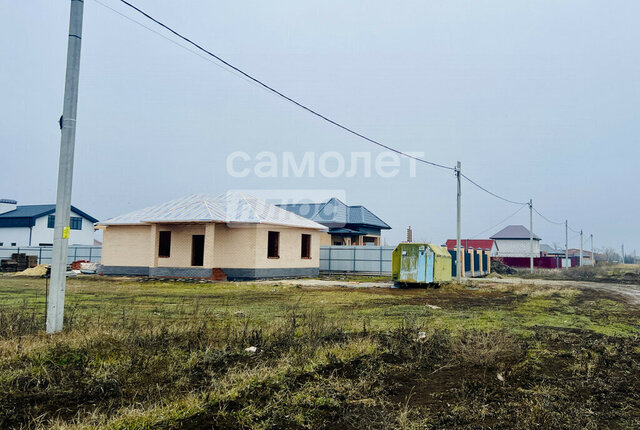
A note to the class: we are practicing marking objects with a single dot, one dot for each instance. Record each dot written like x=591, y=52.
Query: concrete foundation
x=206, y=273
x=250, y=274
x=125, y=270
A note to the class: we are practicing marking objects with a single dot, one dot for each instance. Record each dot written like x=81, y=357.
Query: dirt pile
x=500, y=268
x=39, y=270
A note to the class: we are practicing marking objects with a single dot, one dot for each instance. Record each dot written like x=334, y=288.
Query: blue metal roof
x=343, y=231
x=26, y=215
x=334, y=213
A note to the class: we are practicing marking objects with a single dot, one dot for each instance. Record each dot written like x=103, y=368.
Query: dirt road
x=326, y=283
x=630, y=292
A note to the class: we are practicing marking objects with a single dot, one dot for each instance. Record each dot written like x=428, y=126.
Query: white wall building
x=513, y=241
x=32, y=225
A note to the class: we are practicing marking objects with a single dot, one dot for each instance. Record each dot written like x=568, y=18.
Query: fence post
x=40, y=255
x=75, y=253
x=354, y=258
x=381, y=260
x=90, y=249
x=329, y=269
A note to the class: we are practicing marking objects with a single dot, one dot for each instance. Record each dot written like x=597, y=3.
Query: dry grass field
x=178, y=355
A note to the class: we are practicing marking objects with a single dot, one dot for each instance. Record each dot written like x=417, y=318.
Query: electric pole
x=458, y=253
x=531, y=233
x=580, y=247
x=622, y=249
x=566, y=243
x=55, y=303
x=593, y=254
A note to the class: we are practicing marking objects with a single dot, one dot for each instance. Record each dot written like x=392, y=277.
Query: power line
x=545, y=218
x=215, y=63
x=577, y=232
x=246, y=76
x=554, y=222
x=280, y=94
x=504, y=220
x=489, y=192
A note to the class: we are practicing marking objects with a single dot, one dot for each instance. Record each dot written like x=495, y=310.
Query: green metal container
x=420, y=263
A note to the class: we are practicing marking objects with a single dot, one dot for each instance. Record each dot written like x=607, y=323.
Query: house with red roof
x=483, y=244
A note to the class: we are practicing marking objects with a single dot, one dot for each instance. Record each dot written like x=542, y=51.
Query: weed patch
x=140, y=355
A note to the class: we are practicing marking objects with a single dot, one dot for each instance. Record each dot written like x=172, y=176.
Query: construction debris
x=421, y=336
x=89, y=268
x=18, y=263
x=75, y=265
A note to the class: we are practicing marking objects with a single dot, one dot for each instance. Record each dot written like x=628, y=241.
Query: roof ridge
x=322, y=206
x=207, y=200
x=244, y=197
x=230, y=207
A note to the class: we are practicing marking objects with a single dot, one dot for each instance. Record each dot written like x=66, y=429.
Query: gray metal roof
x=514, y=232
x=227, y=208
x=549, y=249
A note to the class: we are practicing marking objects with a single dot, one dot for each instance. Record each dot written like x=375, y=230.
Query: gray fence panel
x=369, y=259
x=45, y=253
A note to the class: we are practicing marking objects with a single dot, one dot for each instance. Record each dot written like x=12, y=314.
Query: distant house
x=199, y=236
x=484, y=244
x=32, y=225
x=513, y=241
x=549, y=251
x=348, y=225
x=587, y=258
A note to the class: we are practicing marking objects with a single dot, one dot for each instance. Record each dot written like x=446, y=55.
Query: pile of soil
x=39, y=270
x=500, y=268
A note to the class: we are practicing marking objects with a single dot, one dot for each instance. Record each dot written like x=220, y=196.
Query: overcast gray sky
x=538, y=99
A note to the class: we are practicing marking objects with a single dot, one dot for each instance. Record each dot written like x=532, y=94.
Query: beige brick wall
x=242, y=246
x=127, y=245
x=325, y=239
x=290, y=247
x=235, y=246
x=181, y=240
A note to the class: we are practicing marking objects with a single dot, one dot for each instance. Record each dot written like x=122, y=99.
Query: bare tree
x=611, y=254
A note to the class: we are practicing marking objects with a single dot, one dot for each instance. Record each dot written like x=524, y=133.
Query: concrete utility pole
x=55, y=304
x=458, y=253
x=566, y=243
x=593, y=254
x=580, y=247
x=622, y=249
x=531, y=233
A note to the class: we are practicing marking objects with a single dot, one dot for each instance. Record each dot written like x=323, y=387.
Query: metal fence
x=45, y=253
x=363, y=259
